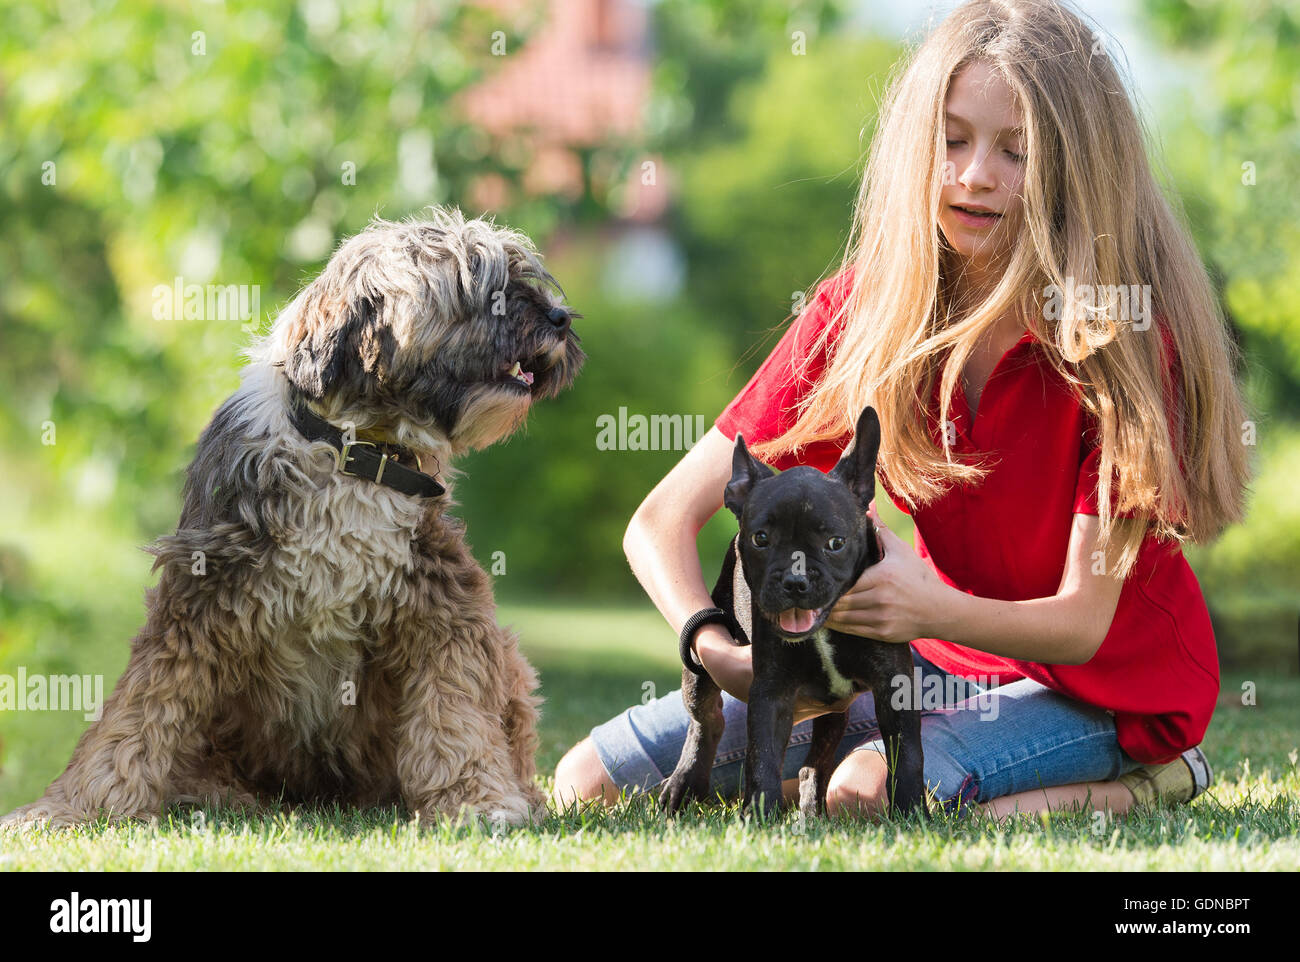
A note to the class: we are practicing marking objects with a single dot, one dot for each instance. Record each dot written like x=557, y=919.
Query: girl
x=1054, y=382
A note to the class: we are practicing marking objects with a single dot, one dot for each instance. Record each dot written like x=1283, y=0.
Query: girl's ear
x=857, y=468
x=746, y=471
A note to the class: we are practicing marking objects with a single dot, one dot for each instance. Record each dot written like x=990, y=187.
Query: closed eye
x=1018, y=158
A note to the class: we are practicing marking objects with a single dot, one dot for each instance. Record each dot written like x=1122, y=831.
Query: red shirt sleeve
x=767, y=406
x=1085, y=492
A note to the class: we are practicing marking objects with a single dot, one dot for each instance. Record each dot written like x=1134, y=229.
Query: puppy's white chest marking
x=840, y=686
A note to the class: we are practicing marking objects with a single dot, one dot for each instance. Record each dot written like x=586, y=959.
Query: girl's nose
x=976, y=175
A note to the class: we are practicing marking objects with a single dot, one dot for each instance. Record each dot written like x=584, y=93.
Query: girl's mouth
x=974, y=218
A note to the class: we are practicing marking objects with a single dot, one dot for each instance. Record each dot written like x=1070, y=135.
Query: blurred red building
x=581, y=82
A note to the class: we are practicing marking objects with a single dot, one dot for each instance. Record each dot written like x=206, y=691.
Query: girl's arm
x=902, y=598
x=660, y=547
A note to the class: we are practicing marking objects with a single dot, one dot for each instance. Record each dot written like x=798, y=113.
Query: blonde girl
x=1031, y=321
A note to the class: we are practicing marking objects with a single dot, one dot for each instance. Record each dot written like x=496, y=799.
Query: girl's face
x=986, y=167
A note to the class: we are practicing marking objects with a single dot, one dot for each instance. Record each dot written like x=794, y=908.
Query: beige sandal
x=1178, y=781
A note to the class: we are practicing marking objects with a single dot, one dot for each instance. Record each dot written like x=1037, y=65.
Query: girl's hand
x=895, y=599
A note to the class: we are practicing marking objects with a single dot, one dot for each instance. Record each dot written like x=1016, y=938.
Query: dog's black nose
x=559, y=317
x=795, y=584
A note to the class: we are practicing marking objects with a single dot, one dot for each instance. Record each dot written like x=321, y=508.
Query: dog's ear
x=335, y=340
x=857, y=468
x=746, y=471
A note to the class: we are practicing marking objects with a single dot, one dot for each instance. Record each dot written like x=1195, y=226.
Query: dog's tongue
x=519, y=374
x=797, y=620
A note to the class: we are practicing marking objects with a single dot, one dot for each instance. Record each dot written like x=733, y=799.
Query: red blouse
x=1157, y=671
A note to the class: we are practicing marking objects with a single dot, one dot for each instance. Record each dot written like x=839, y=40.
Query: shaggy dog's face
x=447, y=328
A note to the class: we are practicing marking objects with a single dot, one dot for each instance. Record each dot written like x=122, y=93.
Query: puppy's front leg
x=770, y=718
x=901, y=732
x=690, y=779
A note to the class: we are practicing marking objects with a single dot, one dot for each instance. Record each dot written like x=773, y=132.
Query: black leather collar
x=380, y=463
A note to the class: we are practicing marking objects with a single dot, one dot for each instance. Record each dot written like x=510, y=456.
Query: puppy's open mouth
x=797, y=622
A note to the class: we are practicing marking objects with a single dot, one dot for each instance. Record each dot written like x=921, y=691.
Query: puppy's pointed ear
x=746, y=471
x=857, y=468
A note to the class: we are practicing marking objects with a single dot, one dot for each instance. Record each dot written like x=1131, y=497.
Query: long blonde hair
x=1093, y=214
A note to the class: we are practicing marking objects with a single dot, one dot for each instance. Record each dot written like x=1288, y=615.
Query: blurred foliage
x=705, y=50
x=1237, y=163
x=1235, y=160
x=765, y=213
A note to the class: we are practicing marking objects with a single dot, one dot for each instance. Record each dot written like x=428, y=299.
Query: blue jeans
x=981, y=740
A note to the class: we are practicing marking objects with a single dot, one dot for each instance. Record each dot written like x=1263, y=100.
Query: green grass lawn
x=595, y=662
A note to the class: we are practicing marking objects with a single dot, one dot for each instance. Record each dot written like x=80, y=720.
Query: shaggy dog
x=315, y=635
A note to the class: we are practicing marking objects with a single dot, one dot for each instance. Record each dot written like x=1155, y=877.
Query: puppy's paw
x=675, y=793
x=809, y=799
x=683, y=786
x=763, y=807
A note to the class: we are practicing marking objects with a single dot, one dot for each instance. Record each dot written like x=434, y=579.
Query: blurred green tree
x=1232, y=149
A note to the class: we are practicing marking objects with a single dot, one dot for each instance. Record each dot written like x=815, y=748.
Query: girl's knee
x=580, y=777
x=859, y=786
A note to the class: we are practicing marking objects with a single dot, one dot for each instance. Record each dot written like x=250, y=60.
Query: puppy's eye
x=759, y=539
x=835, y=544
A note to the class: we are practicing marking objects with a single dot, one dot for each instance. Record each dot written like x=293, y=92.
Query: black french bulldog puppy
x=804, y=540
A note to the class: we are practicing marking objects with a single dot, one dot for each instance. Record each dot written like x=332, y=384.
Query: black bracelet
x=705, y=616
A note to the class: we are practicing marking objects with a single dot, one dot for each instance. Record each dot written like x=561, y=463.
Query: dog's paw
x=19, y=819
x=764, y=808
x=38, y=815
x=539, y=805
x=684, y=786
x=500, y=820
x=502, y=815
x=539, y=811
x=910, y=806
x=809, y=801
x=675, y=793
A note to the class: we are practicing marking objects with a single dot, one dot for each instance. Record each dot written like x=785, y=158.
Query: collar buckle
x=342, y=457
